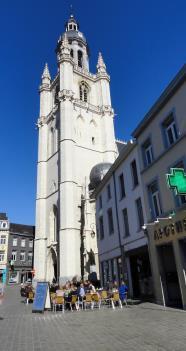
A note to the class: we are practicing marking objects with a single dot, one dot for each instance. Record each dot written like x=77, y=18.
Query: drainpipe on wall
x=118, y=226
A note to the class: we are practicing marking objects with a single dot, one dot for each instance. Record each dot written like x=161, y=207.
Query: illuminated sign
x=177, y=181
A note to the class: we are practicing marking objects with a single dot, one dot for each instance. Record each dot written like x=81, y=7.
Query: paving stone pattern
x=144, y=327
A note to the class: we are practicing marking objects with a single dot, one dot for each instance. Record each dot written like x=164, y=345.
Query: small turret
x=46, y=78
x=77, y=44
x=71, y=24
x=101, y=67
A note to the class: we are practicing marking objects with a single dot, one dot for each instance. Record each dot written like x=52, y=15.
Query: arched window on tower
x=72, y=53
x=56, y=100
x=83, y=92
x=80, y=58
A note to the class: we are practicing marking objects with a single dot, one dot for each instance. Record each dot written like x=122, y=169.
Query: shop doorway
x=141, y=274
x=182, y=244
x=169, y=276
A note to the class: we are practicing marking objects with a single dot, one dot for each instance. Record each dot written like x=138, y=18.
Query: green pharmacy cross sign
x=177, y=181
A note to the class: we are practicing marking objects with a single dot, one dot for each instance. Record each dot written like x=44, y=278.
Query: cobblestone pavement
x=145, y=327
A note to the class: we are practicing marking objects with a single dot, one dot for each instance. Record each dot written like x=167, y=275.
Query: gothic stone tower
x=76, y=132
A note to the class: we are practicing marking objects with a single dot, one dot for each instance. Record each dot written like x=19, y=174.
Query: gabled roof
x=22, y=229
x=178, y=80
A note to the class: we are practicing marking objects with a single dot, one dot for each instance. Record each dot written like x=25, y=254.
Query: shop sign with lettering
x=171, y=231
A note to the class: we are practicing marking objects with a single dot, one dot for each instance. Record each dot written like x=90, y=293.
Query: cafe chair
x=74, y=301
x=96, y=300
x=80, y=302
x=116, y=299
x=30, y=297
x=105, y=299
x=59, y=302
x=52, y=298
x=88, y=301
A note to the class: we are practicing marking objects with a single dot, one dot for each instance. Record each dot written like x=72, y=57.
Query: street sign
x=41, y=297
x=177, y=180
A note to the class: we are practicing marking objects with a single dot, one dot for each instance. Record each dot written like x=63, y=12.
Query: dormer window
x=80, y=58
x=83, y=92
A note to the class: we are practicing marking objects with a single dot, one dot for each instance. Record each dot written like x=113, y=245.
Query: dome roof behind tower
x=98, y=172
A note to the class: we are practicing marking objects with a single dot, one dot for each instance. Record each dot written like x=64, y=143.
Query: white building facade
x=4, y=235
x=161, y=138
x=120, y=215
x=76, y=133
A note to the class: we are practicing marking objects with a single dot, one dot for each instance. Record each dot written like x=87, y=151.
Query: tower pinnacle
x=46, y=74
x=101, y=67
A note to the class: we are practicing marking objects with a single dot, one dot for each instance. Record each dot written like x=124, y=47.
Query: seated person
x=115, y=287
x=92, y=288
x=81, y=292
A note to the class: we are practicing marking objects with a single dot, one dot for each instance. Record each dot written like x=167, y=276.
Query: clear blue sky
x=143, y=44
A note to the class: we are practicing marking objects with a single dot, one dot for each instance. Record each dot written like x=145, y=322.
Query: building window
x=22, y=256
x=140, y=212
x=110, y=221
x=101, y=228
x=83, y=92
x=14, y=243
x=155, y=200
x=22, y=242
x=126, y=222
x=2, y=256
x=30, y=243
x=134, y=173
x=108, y=192
x=3, y=239
x=170, y=131
x=147, y=153
x=30, y=255
x=80, y=58
x=14, y=255
x=122, y=186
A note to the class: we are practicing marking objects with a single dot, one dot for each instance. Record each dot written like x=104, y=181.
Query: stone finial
x=101, y=67
x=46, y=73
